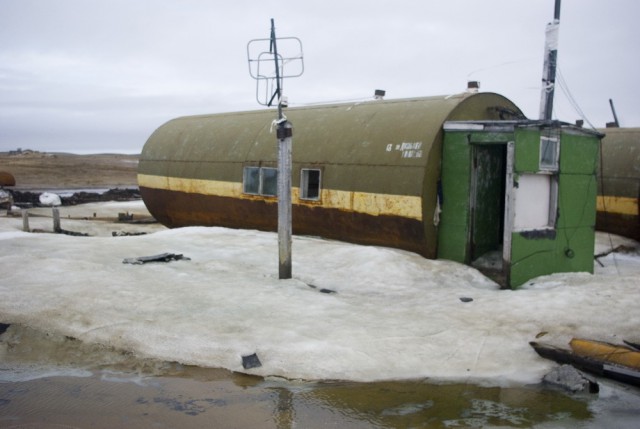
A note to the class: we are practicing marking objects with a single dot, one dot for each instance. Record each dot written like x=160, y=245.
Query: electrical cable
x=565, y=89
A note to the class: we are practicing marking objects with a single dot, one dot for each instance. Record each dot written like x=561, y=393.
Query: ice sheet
x=392, y=314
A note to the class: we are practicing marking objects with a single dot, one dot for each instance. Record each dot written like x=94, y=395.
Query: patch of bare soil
x=40, y=170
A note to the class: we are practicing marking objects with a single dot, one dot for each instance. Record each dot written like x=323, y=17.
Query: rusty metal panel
x=178, y=209
x=382, y=157
x=618, y=202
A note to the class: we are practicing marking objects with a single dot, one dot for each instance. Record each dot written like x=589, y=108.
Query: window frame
x=245, y=183
x=549, y=141
x=273, y=182
x=267, y=185
x=304, y=184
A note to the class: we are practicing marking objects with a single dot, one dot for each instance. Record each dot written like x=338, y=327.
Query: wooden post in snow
x=25, y=220
x=56, y=220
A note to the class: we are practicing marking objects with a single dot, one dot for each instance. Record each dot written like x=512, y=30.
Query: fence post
x=56, y=220
x=25, y=220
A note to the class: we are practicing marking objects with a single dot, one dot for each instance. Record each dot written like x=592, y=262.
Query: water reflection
x=119, y=387
x=418, y=404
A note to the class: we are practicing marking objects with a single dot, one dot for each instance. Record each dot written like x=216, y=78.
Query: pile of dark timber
x=31, y=199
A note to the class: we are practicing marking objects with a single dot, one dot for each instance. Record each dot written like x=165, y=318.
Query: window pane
x=548, y=153
x=251, y=180
x=310, y=184
x=270, y=181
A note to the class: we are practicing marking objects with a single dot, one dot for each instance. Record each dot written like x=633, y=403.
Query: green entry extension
x=518, y=198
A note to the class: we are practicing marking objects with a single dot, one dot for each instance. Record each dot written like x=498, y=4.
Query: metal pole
x=615, y=117
x=550, y=65
x=284, y=172
x=285, y=133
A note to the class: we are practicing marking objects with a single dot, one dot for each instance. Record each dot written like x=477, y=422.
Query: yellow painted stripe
x=192, y=186
x=618, y=205
x=362, y=202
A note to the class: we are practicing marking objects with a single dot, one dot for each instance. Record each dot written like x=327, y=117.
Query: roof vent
x=379, y=94
x=473, y=86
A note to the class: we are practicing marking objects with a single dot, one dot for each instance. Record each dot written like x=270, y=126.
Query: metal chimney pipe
x=473, y=86
x=379, y=94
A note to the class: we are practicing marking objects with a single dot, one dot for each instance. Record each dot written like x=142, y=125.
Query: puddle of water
x=58, y=382
x=201, y=398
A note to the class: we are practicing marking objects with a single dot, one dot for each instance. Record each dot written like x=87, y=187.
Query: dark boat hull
x=593, y=366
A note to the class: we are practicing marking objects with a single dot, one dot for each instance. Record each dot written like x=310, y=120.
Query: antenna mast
x=274, y=64
x=550, y=64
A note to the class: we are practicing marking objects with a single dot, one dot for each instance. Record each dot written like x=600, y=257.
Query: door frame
x=475, y=197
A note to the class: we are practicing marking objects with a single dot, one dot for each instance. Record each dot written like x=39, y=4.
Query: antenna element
x=267, y=67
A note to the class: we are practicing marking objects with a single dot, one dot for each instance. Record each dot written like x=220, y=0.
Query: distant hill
x=45, y=170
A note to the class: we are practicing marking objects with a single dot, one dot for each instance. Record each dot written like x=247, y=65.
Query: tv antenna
x=267, y=67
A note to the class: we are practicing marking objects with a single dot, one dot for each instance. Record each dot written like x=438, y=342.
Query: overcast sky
x=101, y=75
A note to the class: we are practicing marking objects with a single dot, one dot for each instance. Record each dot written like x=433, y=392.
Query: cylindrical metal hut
x=619, y=182
x=362, y=172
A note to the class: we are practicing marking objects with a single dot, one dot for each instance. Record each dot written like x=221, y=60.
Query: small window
x=269, y=182
x=309, y=184
x=251, y=180
x=260, y=181
x=549, y=150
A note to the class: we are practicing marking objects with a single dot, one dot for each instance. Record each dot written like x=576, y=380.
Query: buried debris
x=569, y=378
x=162, y=257
x=125, y=217
x=251, y=361
x=126, y=234
x=322, y=290
x=74, y=233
